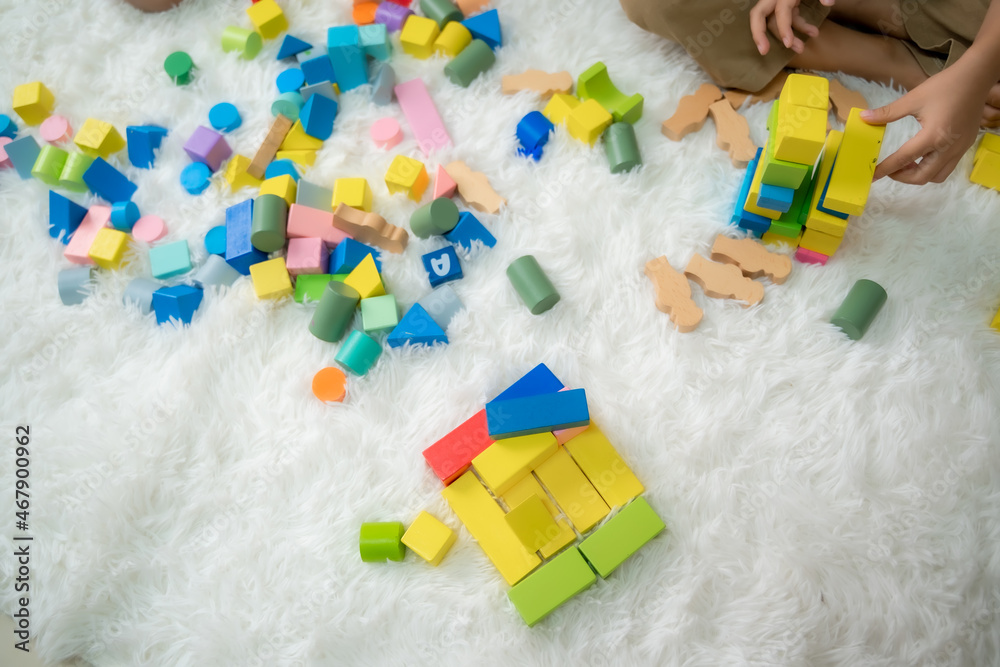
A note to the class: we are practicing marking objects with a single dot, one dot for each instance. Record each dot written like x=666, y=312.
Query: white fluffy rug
x=826, y=502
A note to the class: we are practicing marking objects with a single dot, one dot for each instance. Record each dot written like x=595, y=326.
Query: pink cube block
x=306, y=255
x=78, y=248
x=807, y=256
x=209, y=147
x=306, y=222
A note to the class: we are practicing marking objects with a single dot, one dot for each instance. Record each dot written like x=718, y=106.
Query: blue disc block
x=280, y=168
x=358, y=353
x=290, y=80
x=215, y=241
x=195, y=177
x=224, y=117
x=124, y=215
x=8, y=128
x=177, y=303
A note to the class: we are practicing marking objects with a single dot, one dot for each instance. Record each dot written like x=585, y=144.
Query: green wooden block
x=781, y=172
x=310, y=286
x=49, y=165
x=610, y=545
x=379, y=313
x=540, y=593
x=800, y=205
x=531, y=283
x=859, y=308
x=790, y=230
x=382, y=541
x=621, y=148
x=71, y=177
x=179, y=66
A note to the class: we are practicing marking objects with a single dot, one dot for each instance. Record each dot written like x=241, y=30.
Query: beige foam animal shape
x=723, y=281
x=732, y=133
x=753, y=259
x=844, y=99
x=692, y=111
x=768, y=93
x=673, y=295
x=544, y=83
x=474, y=188
x=370, y=228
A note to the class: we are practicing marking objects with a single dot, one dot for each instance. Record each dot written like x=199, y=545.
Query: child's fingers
x=783, y=17
x=804, y=26
x=887, y=114
x=907, y=154
x=918, y=173
x=946, y=170
x=758, y=25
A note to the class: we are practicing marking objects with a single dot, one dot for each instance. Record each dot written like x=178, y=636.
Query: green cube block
x=310, y=286
x=541, y=592
x=610, y=545
x=379, y=313
x=172, y=259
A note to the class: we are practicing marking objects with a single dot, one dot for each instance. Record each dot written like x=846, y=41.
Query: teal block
x=775, y=197
x=169, y=260
x=374, y=40
x=557, y=581
x=379, y=313
x=621, y=536
x=358, y=353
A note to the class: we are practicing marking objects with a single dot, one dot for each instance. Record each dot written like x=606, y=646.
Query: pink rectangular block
x=422, y=115
x=306, y=222
x=807, y=256
x=78, y=248
x=306, y=255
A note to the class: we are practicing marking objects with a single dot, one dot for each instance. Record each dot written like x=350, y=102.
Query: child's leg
x=153, y=5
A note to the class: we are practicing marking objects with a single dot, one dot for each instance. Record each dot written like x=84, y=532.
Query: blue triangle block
x=291, y=46
x=416, y=328
x=65, y=215
x=486, y=26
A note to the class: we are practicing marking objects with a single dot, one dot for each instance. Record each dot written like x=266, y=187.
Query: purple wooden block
x=208, y=147
x=393, y=16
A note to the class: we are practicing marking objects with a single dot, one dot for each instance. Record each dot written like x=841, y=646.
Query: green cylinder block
x=49, y=165
x=382, y=541
x=474, y=59
x=621, y=147
x=859, y=308
x=179, y=67
x=441, y=11
x=71, y=177
x=288, y=105
x=531, y=283
x=270, y=217
x=334, y=312
x=246, y=42
x=438, y=217
x=358, y=353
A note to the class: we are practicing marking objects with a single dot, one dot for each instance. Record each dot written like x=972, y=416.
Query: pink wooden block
x=422, y=115
x=444, y=184
x=306, y=255
x=5, y=162
x=565, y=435
x=56, y=130
x=386, y=132
x=305, y=222
x=807, y=256
x=78, y=248
x=149, y=228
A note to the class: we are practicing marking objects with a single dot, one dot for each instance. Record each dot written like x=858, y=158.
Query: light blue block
x=442, y=266
x=195, y=177
x=22, y=153
x=177, y=303
x=358, y=353
x=537, y=414
x=416, y=328
x=344, y=48
x=374, y=40
x=318, y=68
x=775, y=198
x=169, y=260
x=124, y=215
x=290, y=80
x=240, y=252
x=468, y=231
x=215, y=241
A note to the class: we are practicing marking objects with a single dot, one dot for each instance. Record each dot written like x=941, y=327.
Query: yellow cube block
x=418, y=35
x=851, y=178
x=305, y=158
x=408, y=176
x=525, y=489
x=799, y=133
x=604, y=467
x=532, y=524
x=819, y=242
x=588, y=121
x=785, y=243
x=267, y=18
x=429, y=538
x=284, y=186
x=365, y=279
x=108, y=248
x=986, y=169
x=270, y=279
x=298, y=140
x=354, y=192
x=806, y=90
x=559, y=107
x=452, y=40
x=506, y=461
x=97, y=138
x=33, y=102
x=236, y=174
x=751, y=203
x=996, y=321
x=989, y=142
x=573, y=492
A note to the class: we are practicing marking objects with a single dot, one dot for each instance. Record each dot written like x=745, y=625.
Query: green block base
x=621, y=148
x=382, y=541
x=543, y=591
x=611, y=545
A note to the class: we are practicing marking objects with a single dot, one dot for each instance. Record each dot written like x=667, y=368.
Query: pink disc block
x=149, y=228
x=56, y=130
x=807, y=256
x=386, y=132
x=5, y=162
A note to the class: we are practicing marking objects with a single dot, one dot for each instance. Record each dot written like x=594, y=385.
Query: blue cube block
x=468, y=231
x=775, y=197
x=349, y=253
x=8, y=128
x=169, y=260
x=240, y=253
x=143, y=140
x=318, y=69
x=291, y=46
x=442, y=266
x=534, y=130
x=177, y=303
x=349, y=62
x=107, y=182
x=317, y=116
x=23, y=153
x=374, y=40
x=537, y=414
x=416, y=328
x=539, y=380
x=65, y=215
x=486, y=26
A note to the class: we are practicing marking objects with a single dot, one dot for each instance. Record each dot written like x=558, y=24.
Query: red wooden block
x=452, y=455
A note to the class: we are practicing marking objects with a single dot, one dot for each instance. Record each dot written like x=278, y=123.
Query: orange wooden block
x=844, y=99
x=732, y=133
x=474, y=188
x=723, y=281
x=330, y=385
x=753, y=259
x=692, y=111
x=673, y=295
x=269, y=147
x=544, y=83
x=364, y=12
x=370, y=228
x=470, y=7
x=768, y=93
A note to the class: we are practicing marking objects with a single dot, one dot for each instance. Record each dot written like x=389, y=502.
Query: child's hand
x=780, y=17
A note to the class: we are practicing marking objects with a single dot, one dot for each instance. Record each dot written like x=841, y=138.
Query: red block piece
x=452, y=455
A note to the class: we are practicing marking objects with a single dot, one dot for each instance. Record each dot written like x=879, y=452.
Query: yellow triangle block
x=284, y=186
x=305, y=158
x=365, y=279
x=298, y=140
x=236, y=174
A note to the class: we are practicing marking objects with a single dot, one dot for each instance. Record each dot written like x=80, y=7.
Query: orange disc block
x=364, y=13
x=330, y=385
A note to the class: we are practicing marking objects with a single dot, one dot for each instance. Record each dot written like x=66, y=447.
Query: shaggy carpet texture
x=827, y=502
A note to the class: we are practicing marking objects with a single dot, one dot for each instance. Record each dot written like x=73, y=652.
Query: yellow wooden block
x=817, y=219
x=996, y=321
x=604, y=467
x=751, y=203
x=33, y=102
x=588, y=120
x=418, y=35
x=284, y=186
x=806, y=90
x=305, y=158
x=97, y=138
x=799, y=133
x=505, y=462
x=365, y=279
x=770, y=238
x=236, y=174
x=857, y=158
x=108, y=248
x=353, y=192
x=268, y=18
x=298, y=140
x=452, y=40
x=817, y=241
x=532, y=523
x=270, y=279
x=573, y=492
x=986, y=170
x=407, y=175
x=989, y=142
x=429, y=538
x=559, y=107
x=528, y=487
x=484, y=519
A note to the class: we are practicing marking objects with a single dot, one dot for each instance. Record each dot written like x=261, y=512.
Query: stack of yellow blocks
x=986, y=163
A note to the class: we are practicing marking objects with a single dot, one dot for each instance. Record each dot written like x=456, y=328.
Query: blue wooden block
x=775, y=197
x=537, y=414
x=290, y=80
x=344, y=48
x=442, y=266
x=746, y=220
x=124, y=215
x=170, y=259
x=177, y=303
x=318, y=69
x=224, y=117
x=468, y=231
x=534, y=130
x=317, y=116
x=374, y=41
x=324, y=88
x=486, y=26
x=535, y=153
x=215, y=241
x=291, y=46
x=281, y=168
x=22, y=153
x=821, y=204
x=8, y=128
x=65, y=215
x=416, y=328
x=143, y=140
x=195, y=177
x=107, y=182
x=349, y=253
x=240, y=253
x=539, y=380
